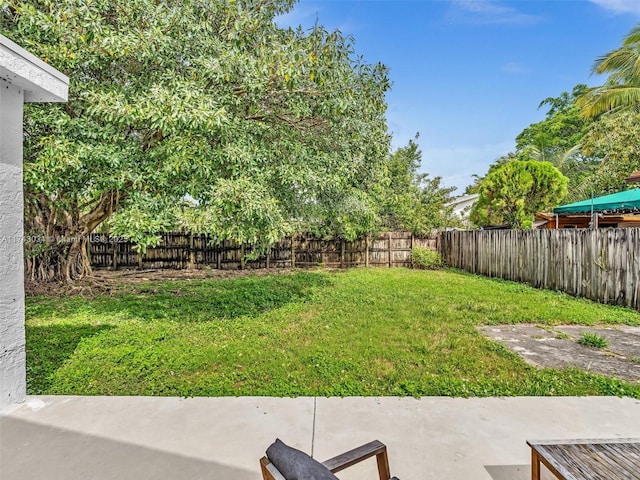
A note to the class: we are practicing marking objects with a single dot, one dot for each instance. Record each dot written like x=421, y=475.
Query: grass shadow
x=201, y=300
x=49, y=347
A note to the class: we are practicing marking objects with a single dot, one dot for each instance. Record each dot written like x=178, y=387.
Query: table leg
x=535, y=465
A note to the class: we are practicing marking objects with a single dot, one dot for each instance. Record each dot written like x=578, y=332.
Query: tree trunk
x=63, y=260
x=56, y=241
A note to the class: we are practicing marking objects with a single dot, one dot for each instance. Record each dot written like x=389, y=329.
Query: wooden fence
x=599, y=264
x=179, y=250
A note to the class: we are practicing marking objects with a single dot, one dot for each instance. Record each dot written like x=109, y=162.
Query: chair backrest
x=340, y=462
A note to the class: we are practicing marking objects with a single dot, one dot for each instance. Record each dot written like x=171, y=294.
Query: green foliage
x=621, y=92
x=268, y=130
x=425, y=258
x=562, y=128
x=360, y=332
x=615, y=139
x=558, y=139
x=512, y=192
x=413, y=201
x=591, y=339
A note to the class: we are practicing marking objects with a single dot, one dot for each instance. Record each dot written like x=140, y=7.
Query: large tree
x=562, y=128
x=559, y=138
x=199, y=114
x=411, y=200
x=615, y=139
x=514, y=191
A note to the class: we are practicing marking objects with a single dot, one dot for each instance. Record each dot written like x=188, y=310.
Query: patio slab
x=558, y=347
x=223, y=438
x=147, y=437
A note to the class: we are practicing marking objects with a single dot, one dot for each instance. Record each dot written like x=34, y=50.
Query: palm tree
x=622, y=90
x=559, y=158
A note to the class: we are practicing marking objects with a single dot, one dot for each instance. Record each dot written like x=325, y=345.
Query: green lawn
x=359, y=332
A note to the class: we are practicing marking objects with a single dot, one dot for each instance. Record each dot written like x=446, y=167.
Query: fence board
x=599, y=264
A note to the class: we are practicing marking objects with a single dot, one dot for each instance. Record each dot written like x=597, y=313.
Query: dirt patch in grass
x=105, y=282
x=558, y=347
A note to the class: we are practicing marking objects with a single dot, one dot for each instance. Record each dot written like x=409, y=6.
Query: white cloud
x=488, y=12
x=619, y=6
x=515, y=68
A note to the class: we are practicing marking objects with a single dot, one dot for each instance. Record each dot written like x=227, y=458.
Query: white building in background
x=462, y=205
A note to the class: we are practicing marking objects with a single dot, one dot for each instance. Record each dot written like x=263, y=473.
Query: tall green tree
x=621, y=92
x=411, y=200
x=513, y=192
x=562, y=128
x=265, y=130
x=558, y=139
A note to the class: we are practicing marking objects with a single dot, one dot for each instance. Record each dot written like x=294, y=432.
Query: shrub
x=425, y=258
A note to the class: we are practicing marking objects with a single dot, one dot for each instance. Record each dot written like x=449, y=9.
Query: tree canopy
x=562, y=129
x=514, y=191
x=202, y=115
x=615, y=139
x=414, y=201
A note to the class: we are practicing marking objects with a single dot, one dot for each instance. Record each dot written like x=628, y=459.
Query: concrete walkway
x=222, y=438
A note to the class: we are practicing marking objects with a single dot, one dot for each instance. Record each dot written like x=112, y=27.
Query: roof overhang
x=39, y=81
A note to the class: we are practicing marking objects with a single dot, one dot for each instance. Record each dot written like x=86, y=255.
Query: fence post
x=218, y=249
x=242, y=257
x=366, y=250
x=342, y=253
x=204, y=241
x=411, y=251
x=390, y=252
x=114, y=247
x=293, y=251
x=192, y=253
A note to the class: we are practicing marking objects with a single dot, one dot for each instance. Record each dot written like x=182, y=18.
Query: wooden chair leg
x=384, y=471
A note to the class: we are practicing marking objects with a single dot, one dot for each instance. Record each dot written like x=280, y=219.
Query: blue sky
x=469, y=74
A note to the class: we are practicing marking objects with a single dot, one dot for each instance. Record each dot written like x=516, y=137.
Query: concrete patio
x=223, y=438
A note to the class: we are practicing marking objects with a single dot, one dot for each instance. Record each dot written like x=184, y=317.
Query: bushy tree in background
x=265, y=130
x=513, y=192
x=558, y=139
x=411, y=200
x=615, y=139
x=562, y=129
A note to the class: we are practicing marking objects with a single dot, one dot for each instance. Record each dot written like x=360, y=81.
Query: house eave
x=39, y=81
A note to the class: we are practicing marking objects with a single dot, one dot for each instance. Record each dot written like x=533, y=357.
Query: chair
x=285, y=457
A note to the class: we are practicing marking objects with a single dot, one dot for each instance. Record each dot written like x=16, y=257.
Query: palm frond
x=621, y=59
x=633, y=38
x=608, y=99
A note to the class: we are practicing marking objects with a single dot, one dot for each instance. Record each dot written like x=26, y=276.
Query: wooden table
x=617, y=459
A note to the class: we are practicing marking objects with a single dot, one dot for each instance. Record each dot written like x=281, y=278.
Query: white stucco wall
x=23, y=78
x=12, y=344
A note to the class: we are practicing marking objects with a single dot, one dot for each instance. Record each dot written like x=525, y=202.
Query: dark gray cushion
x=296, y=465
